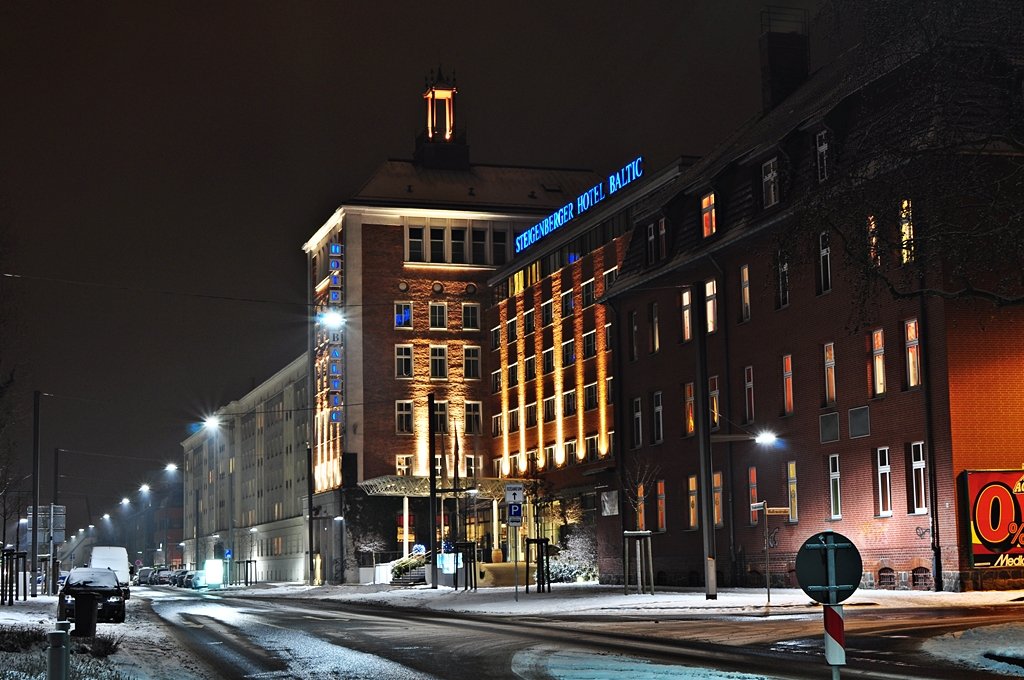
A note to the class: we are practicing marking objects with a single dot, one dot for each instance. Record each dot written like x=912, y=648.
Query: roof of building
x=404, y=183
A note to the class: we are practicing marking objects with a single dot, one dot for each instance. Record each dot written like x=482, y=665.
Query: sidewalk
x=595, y=600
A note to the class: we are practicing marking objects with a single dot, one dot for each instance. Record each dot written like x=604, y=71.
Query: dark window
x=416, y=244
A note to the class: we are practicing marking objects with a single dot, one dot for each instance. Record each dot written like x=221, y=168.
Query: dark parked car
x=142, y=576
x=178, y=577
x=160, y=577
x=101, y=584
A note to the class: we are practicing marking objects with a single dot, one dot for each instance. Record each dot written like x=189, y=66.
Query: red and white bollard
x=835, y=637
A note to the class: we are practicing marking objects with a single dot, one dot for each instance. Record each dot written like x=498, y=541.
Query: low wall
x=498, y=574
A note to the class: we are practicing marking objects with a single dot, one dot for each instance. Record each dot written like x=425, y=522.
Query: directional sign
x=514, y=493
x=227, y=554
x=515, y=514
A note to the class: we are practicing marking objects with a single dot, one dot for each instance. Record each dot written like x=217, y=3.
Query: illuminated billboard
x=995, y=507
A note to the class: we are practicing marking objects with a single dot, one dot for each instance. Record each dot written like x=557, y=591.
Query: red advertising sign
x=996, y=506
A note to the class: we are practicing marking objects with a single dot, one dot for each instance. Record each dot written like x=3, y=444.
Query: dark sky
x=163, y=162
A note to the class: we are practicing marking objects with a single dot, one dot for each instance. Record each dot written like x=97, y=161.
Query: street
x=283, y=637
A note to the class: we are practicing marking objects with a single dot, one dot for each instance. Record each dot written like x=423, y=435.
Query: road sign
x=828, y=567
x=227, y=554
x=778, y=511
x=514, y=493
x=515, y=514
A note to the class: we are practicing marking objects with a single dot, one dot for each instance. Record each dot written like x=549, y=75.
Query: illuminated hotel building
x=552, y=388
x=405, y=262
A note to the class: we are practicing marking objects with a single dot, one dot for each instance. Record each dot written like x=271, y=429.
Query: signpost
x=514, y=498
x=829, y=569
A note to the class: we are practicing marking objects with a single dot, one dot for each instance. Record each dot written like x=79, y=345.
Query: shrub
x=407, y=564
x=577, y=558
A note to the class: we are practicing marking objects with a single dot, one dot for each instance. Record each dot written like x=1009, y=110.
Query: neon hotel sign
x=630, y=172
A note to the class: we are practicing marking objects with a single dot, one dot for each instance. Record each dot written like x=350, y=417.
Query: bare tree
x=640, y=479
x=927, y=191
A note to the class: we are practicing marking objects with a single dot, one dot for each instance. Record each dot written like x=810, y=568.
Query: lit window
x=638, y=418
x=660, y=488
x=906, y=232
x=716, y=480
x=835, y=500
x=917, y=477
x=874, y=253
x=471, y=317
x=474, y=417
x=510, y=330
x=752, y=491
x=748, y=391
x=770, y=182
x=877, y=365
x=791, y=489
x=403, y=361
x=686, y=314
x=830, y=373
x=403, y=417
x=745, y=293
x=693, y=516
x=711, y=301
x=403, y=315
x=824, y=263
x=587, y=291
x=652, y=327
x=707, y=214
x=472, y=466
x=657, y=422
x=782, y=283
x=884, y=482
x=913, y=352
x=546, y=314
x=713, y=401
x=590, y=397
x=821, y=154
x=787, y=384
x=688, y=407
x=471, y=362
x=438, y=361
x=403, y=465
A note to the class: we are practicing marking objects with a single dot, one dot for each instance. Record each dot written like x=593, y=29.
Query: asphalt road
x=266, y=638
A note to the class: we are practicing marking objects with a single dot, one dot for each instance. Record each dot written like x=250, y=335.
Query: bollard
x=65, y=627
x=85, y=615
x=58, y=644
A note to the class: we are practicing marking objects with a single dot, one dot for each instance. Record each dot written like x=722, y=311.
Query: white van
x=112, y=557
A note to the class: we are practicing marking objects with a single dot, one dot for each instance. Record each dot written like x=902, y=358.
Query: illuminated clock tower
x=440, y=145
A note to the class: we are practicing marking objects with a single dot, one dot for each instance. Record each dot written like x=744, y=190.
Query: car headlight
x=114, y=598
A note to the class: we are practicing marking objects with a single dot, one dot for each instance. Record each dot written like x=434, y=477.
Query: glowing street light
x=170, y=467
x=144, y=488
x=125, y=501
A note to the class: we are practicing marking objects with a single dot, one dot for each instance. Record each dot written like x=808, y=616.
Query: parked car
x=178, y=578
x=142, y=576
x=160, y=577
x=199, y=580
x=100, y=583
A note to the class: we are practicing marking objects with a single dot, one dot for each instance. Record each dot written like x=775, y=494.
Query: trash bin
x=85, y=615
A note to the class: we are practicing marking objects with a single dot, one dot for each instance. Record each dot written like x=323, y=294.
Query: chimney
x=784, y=53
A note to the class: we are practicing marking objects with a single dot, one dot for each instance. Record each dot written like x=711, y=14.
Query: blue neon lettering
x=584, y=202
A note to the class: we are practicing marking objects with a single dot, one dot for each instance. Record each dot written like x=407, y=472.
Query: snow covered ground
x=150, y=652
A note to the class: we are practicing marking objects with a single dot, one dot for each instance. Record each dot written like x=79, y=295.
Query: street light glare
x=765, y=438
x=170, y=467
x=211, y=422
x=144, y=488
x=106, y=515
x=333, y=320
x=125, y=501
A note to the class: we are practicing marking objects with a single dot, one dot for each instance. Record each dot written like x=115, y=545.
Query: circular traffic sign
x=829, y=567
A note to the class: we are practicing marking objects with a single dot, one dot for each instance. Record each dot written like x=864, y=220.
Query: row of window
x=456, y=245
x=567, y=305
x=591, y=400
x=876, y=380
x=438, y=315
x=472, y=417
x=916, y=490
x=528, y=461
x=470, y=463
x=404, y=365
x=548, y=360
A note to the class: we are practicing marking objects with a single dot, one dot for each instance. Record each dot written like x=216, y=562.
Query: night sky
x=163, y=163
